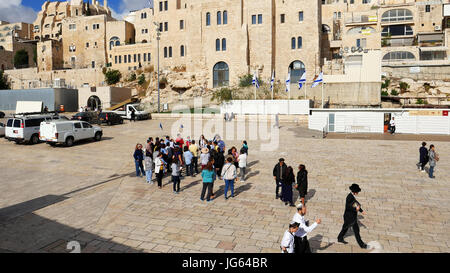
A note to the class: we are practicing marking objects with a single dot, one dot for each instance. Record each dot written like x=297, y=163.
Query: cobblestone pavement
x=89, y=193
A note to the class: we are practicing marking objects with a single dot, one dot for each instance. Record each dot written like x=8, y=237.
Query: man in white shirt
x=287, y=243
x=392, y=123
x=301, y=240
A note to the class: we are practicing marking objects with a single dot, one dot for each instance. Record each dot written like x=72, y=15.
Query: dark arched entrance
x=94, y=103
x=220, y=74
x=296, y=68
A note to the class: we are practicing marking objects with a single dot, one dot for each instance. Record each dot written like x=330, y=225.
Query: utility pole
x=158, y=37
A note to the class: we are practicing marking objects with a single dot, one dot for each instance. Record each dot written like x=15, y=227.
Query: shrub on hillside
x=112, y=77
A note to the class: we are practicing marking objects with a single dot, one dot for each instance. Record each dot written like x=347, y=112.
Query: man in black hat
x=350, y=216
x=279, y=173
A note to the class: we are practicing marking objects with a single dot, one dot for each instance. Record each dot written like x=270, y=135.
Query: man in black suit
x=279, y=174
x=350, y=216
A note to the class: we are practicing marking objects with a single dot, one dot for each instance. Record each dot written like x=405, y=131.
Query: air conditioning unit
x=437, y=28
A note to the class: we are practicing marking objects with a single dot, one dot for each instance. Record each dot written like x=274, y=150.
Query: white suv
x=25, y=128
x=68, y=132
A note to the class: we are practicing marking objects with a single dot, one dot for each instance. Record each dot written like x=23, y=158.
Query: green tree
x=245, y=80
x=403, y=87
x=21, y=59
x=3, y=81
x=112, y=77
x=141, y=79
x=132, y=77
x=223, y=94
x=394, y=92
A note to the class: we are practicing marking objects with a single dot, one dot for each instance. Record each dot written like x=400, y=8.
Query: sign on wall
x=427, y=113
x=414, y=69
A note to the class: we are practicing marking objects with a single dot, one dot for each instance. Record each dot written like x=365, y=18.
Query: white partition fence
x=267, y=107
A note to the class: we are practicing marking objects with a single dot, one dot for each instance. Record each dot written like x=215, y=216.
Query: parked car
x=25, y=128
x=90, y=117
x=2, y=114
x=139, y=111
x=109, y=118
x=68, y=132
x=2, y=129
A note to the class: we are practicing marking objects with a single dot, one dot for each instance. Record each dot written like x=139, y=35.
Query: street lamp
x=158, y=37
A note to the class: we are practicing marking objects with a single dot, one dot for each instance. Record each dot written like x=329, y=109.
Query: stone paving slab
x=105, y=208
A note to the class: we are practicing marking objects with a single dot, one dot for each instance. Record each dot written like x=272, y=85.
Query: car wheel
x=34, y=139
x=69, y=141
x=98, y=136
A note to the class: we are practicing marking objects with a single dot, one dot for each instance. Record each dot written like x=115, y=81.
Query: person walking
x=229, y=175
x=204, y=157
x=352, y=207
x=392, y=123
x=138, y=159
x=148, y=164
x=133, y=115
x=159, y=169
x=188, y=161
x=208, y=175
x=286, y=192
x=193, y=148
x=287, y=243
x=302, y=182
x=176, y=175
x=279, y=172
x=433, y=157
x=245, y=146
x=219, y=161
x=301, y=240
x=242, y=161
x=423, y=157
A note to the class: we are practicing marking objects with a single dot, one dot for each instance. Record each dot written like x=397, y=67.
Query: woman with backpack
x=229, y=175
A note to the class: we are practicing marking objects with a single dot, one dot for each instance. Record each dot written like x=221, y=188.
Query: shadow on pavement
x=315, y=243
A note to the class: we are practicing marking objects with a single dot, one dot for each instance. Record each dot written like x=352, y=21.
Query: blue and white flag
x=302, y=81
x=317, y=80
x=160, y=125
x=272, y=81
x=288, y=82
x=255, y=80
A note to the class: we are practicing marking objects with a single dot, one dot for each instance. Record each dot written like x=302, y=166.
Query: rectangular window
x=165, y=52
x=125, y=59
x=259, y=18
x=139, y=58
x=120, y=59
x=170, y=52
x=149, y=57
x=427, y=8
x=93, y=64
x=300, y=16
x=135, y=58
x=166, y=5
x=129, y=58
x=115, y=59
x=87, y=44
x=181, y=24
x=145, y=57
x=253, y=19
x=160, y=6
x=282, y=18
x=160, y=26
x=166, y=26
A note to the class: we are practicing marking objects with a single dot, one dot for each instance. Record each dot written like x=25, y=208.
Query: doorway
x=387, y=119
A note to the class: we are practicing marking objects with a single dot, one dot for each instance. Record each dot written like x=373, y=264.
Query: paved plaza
x=89, y=193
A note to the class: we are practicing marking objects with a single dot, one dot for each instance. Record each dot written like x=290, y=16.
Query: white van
x=25, y=128
x=68, y=132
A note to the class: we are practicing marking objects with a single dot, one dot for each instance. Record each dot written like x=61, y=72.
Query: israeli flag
x=160, y=125
x=255, y=80
x=302, y=81
x=272, y=81
x=317, y=80
x=288, y=82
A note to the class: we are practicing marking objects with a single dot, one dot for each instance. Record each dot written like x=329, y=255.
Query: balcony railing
x=361, y=19
x=392, y=42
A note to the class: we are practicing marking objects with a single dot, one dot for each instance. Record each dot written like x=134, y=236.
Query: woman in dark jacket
x=286, y=193
x=302, y=182
x=138, y=158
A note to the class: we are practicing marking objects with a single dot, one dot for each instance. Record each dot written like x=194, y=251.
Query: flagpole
x=322, y=93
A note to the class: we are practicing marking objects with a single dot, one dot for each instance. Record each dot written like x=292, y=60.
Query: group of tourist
x=427, y=156
x=285, y=179
x=162, y=156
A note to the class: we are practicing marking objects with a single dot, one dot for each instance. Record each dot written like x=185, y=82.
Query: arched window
x=220, y=74
x=224, y=44
x=208, y=18
x=293, y=43
x=225, y=17
x=219, y=18
x=397, y=15
x=360, y=30
x=296, y=69
x=114, y=41
x=217, y=44
x=299, y=42
x=397, y=30
x=182, y=51
x=398, y=56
